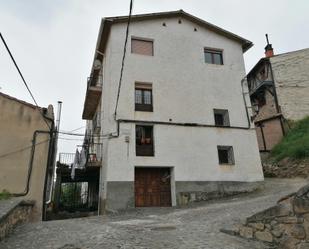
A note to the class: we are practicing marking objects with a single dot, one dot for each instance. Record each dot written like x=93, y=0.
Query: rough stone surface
x=290, y=220
x=303, y=245
x=298, y=232
x=264, y=236
x=287, y=168
x=246, y=232
x=277, y=232
x=257, y=226
x=301, y=205
x=196, y=226
x=13, y=212
x=285, y=225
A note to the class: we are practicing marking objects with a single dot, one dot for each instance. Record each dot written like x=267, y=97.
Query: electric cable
x=23, y=79
x=123, y=58
x=22, y=149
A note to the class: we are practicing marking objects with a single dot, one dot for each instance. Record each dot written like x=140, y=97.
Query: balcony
x=93, y=96
x=259, y=86
x=96, y=123
x=95, y=155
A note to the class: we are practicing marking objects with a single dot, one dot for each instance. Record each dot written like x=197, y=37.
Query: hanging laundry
x=75, y=164
x=83, y=158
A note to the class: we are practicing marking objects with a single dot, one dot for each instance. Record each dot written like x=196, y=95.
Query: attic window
x=141, y=46
x=213, y=56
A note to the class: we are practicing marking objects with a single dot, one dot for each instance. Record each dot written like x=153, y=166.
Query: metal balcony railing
x=95, y=153
x=66, y=158
x=96, y=122
x=94, y=81
x=255, y=86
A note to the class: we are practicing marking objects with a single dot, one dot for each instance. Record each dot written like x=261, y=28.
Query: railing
x=95, y=153
x=96, y=122
x=94, y=81
x=254, y=86
x=66, y=158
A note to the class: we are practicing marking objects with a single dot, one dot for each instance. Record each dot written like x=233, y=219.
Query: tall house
x=27, y=150
x=182, y=130
x=279, y=91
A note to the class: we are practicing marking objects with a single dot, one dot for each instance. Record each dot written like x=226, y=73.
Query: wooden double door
x=152, y=187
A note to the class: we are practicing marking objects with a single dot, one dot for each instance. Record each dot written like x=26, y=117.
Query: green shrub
x=295, y=144
x=4, y=195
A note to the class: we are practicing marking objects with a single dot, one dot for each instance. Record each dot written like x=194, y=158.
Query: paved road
x=194, y=227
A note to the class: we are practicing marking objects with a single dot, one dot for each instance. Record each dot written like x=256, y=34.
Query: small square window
x=225, y=154
x=141, y=46
x=221, y=117
x=213, y=56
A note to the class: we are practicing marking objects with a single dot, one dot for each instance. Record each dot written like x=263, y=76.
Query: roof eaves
x=246, y=44
x=19, y=101
x=255, y=67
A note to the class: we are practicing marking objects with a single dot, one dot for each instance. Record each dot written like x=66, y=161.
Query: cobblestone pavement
x=192, y=227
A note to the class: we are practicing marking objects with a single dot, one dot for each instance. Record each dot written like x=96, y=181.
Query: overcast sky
x=53, y=41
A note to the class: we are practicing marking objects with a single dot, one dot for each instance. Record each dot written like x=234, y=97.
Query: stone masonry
x=285, y=225
x=12, y=213
x=291, y=74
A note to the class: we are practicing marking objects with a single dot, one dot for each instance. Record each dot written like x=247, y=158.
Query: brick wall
x=272, y=133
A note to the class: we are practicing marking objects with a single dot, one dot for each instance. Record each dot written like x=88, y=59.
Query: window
x=225, y=154
x=142, y=46
x=221, y=117
x=143, y=97
x=213, y=56
x=144, y=140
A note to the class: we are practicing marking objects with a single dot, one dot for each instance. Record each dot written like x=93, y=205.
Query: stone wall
x=12, y=213
x=187, y=192
x=291, y=76
x=285, y=226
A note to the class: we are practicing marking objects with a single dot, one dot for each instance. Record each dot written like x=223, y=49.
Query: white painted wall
x=185, y=89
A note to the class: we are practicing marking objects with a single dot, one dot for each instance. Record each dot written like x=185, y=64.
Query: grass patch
x=4, y=195
x=295, y=144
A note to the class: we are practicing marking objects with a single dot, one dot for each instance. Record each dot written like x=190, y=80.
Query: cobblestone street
x=194, y=227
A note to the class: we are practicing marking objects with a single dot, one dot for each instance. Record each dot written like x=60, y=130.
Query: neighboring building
x=182, y=130
x=279, y=91
x=25, y=150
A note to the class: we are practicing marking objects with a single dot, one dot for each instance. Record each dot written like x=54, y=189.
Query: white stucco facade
x=185, y=90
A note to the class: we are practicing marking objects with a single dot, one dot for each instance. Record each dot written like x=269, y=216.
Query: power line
x=82, y=135
x=74, y=129
x=123, y=57
x=23, y=79
x=22, y=149
x=71, y=139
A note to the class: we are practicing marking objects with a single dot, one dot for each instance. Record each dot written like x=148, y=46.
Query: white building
x=182, y=130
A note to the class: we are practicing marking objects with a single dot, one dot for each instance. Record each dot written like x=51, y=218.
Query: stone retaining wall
x=285, y=226
x=12, y=213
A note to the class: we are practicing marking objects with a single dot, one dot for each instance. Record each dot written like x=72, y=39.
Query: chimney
x=269, y=52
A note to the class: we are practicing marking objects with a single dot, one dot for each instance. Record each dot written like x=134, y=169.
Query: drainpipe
x=245, y=102
x=52, y=153
x=27, y=187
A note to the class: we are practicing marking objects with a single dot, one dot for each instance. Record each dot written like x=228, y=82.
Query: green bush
x=4, y=195
x=295, y=144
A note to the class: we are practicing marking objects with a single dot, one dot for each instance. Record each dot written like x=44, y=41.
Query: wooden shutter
x=143, y=47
